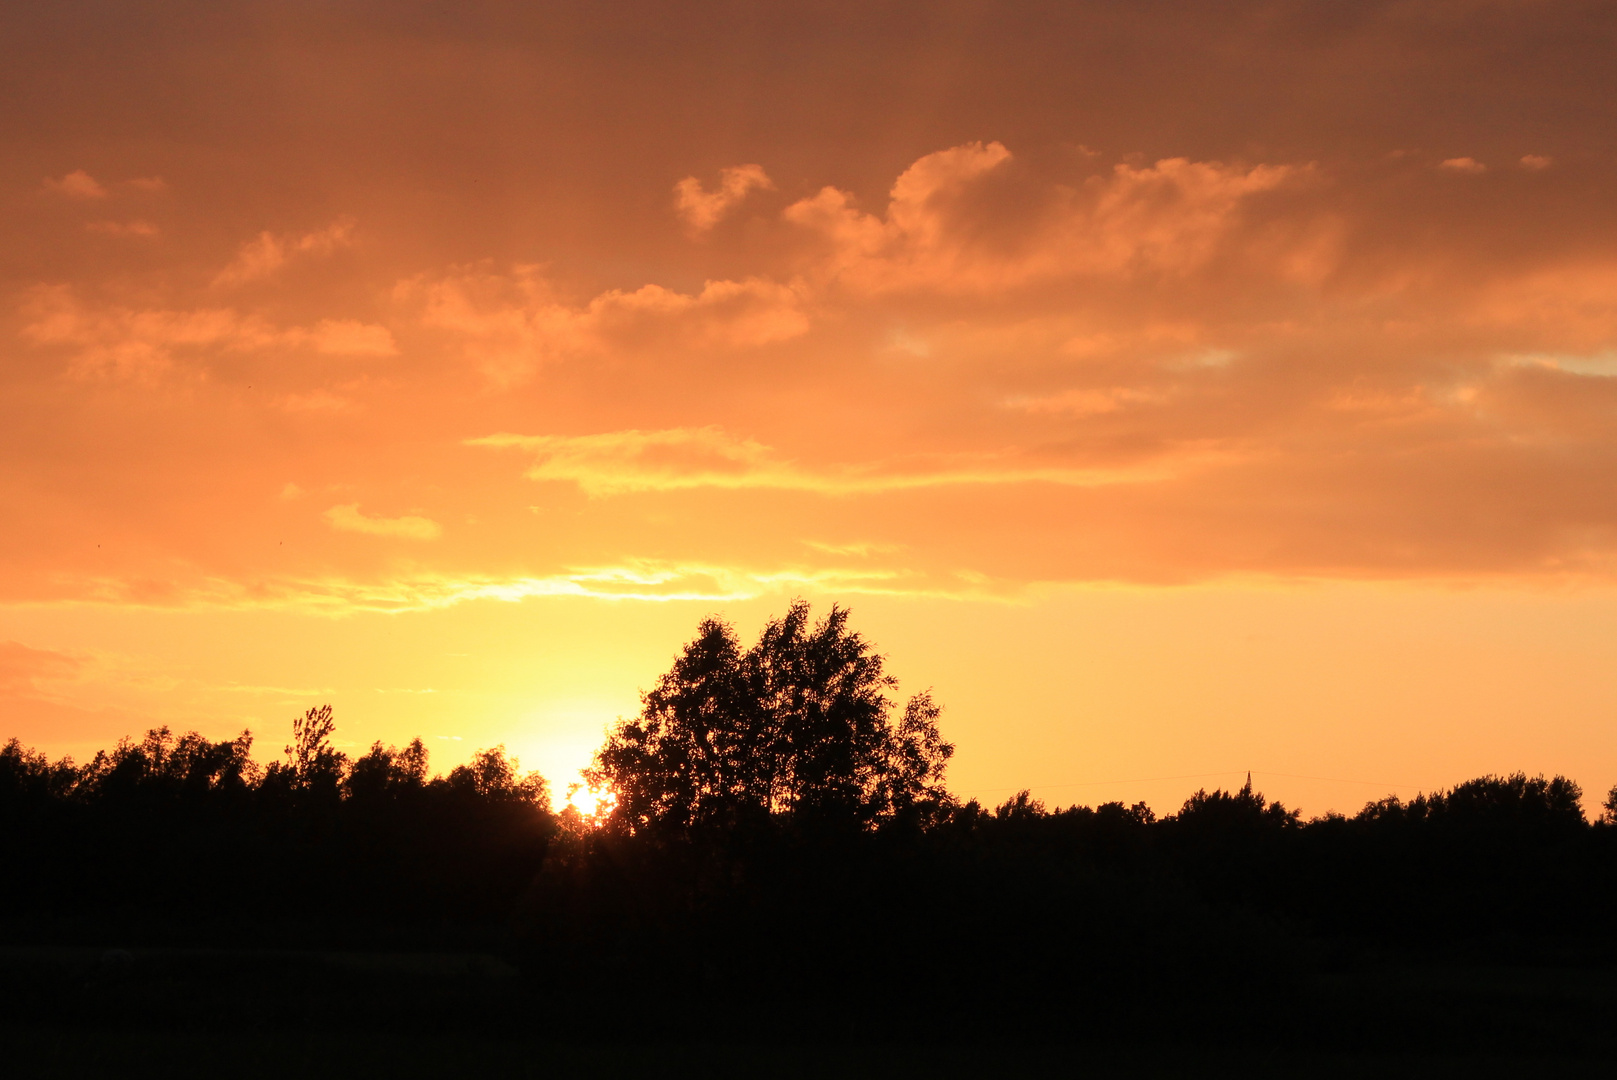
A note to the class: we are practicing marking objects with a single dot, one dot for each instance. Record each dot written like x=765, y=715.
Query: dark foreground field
x=380, y=1011
x=58, y=1053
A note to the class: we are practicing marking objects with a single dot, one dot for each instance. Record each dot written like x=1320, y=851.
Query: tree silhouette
x=1223, y=811
x=797, y=726
x=312, y=762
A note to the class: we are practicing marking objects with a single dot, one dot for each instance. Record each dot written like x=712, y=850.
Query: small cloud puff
x=122, y=228
x=77, y=184
x=1464, y=165
x=315, y=401
x=21, y=667
x=267, y=253
x=701, y=209
x=347, y=337
x=347, y=518
x=1536, y=162
x=152, y=185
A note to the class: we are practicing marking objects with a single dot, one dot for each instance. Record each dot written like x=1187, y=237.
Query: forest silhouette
x=782, y=856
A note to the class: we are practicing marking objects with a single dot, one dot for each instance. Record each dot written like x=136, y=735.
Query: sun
x=589, y=802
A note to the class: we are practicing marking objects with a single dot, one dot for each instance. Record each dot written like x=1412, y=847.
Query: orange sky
x=1177, y=389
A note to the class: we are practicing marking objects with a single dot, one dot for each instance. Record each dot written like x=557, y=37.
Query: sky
x=1178, y=390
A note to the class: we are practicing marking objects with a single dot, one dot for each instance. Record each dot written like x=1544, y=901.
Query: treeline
x=177, y=830
x=783, y=852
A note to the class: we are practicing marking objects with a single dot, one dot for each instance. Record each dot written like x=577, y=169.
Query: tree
x=797, y=726
x=1240, y=811
x=313, y=766
x=1516, y=803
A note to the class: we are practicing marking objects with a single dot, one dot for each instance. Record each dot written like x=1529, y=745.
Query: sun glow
x=591, y=804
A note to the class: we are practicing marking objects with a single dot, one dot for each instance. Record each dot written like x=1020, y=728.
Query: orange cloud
x=943, y=231
x=347, y=518
x=265, y=254
x=618, y=462
x=122, y=228
x=344, y=337
x=22, y=668
x=701, y=209
x=514, y=324
x=78, y=184
x=1010, y=374
x=140, y=343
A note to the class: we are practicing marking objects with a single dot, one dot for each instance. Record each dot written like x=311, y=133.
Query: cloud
x=314, y=401
x=632, y=579
x=1536, y=162
x=150, y=185
x=131, y=342
x=858, y=549
x=77, y=184
x=22, y=668
x=1464, y=165
x=947, y=230
x=143, y=343
x=267, y=253
x=1571, y=307
x=345, y=337
x=1084, y=401
x=514, y=324
x=122, y=228
x=347, y=518
x=701, y=209
x=623, y=462
x=1019, y=367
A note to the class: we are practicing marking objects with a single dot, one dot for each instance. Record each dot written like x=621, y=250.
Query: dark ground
x=249, y=1013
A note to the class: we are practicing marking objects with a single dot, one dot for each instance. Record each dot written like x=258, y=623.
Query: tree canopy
x=800, y=725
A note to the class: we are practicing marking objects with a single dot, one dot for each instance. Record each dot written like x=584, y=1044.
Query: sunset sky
x=1177, y=389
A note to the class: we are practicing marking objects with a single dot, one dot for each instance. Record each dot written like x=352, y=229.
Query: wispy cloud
x=348, y=518
x=514, y=324
x=143, y=229
x=265, y=254
x=622, y=462
x=22, y=667
x=143, y=343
